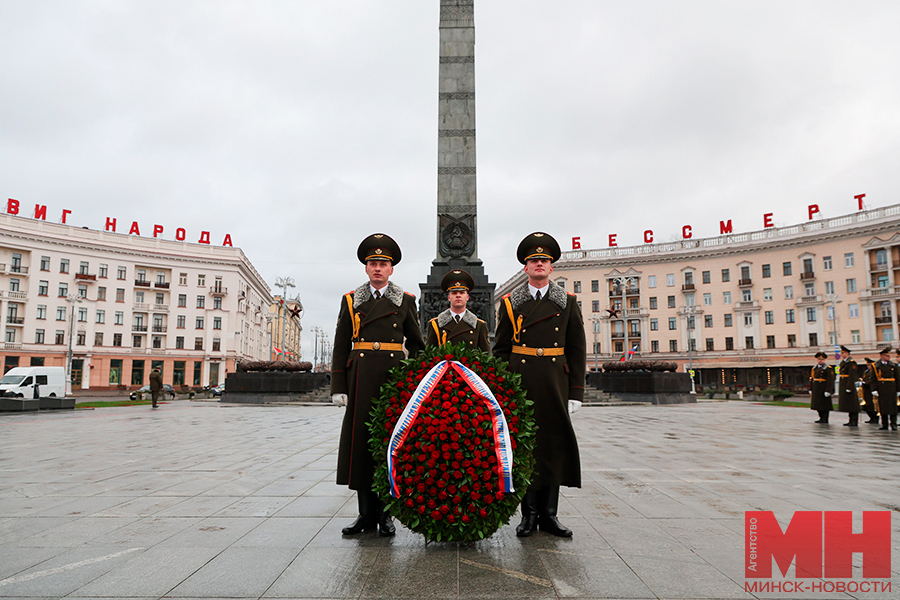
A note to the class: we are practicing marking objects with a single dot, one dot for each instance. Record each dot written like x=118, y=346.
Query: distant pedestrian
x=155, y=385
x=848, y=379
x=821, y=385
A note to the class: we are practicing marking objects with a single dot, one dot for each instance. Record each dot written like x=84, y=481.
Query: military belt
x=377, y=346
x=538, y=351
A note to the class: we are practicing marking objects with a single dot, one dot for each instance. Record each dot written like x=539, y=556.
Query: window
x=786, y=269
x=83, y=268
x=886, y=335
x=179, y=342
x=45, y=263
x=161, y=277
x=137, y=372
x=829, y=287
x=811, y=314
x=82, y=314
x=64, y=265
x=117, y=339
x=689, y=278
x=652, y=302
x=690, y=323
x=41, y=311
x=198, y=323
x=726, y=276
x=728, y=320
x=160, y=298
x=120, y=273
x=82, y=291
x=120, y=295
x=198, y=343
x=101, y=316
x=654, y=346
x=136, y=341
x=767, y=293
x=63, y=290
x=60, y=337
x=707, y=299
x=14, y=285
x=119, y=318
x=745, y=273
x=814, y=339
x=101, y=294
x=829, y=313
x=201, y=280
x=80, y=338
x=38, y=336
x=157, y=341
x=848, y=260
x=595, y=306
x=748, y=342
x=673, y=345
x=748, y=320
x=651, y=281
x=217, y=322
x=182, y=300
x=747, y=295
x=139, y=297
x=103, y=272
x=141, y=275
x=576, y=287
x=882, y=281
x=217, y=302
x=670, y=279
x=729, y=343
x=855, y=337
x=710, y=345
x=10, y=335
x=182, y=279
x=216, y=345
x=770, y=317
x=726, y=297
x=671, y=300
x=198, y=372
x=789, y=315
x=707, y=320
x=807, y=265
x=826, y=263
x=60, y=313
x=43, y=288
x=178, y=373
x=98, y=338
x=179, y=321
x=673, y=323
x=654, y=324
x=881, y=258
x=706, y=277
x=788, y=292
x=770, y=341
x=766, y=271
x=689, y=300
x=792, y=340
x=851, y=285
x=693, y=344
x=201, y=301
x=854, y=310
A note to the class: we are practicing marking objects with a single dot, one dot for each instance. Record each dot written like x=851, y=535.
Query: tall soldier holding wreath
x=540, y=333
x=883, y=379
x=457, y=325
x=375, y=320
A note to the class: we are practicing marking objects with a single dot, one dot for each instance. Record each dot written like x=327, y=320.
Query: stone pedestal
x=265, y=387
x=645, y=386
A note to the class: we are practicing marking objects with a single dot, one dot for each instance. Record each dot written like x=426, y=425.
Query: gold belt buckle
x=540, y=351
x=376, y=345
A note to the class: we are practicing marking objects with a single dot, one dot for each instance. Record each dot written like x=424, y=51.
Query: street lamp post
x=596, y=321
x=690, y=311
x=73, y=299
x=834, y=299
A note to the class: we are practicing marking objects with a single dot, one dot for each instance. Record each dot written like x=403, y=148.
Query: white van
x=20, y=382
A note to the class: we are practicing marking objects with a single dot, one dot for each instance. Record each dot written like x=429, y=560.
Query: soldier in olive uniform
x=457, y=324
x=821, y=385
x=540, y=333
x=868, y=400
x=374, y=321
x=848, y=398
x=884, y=387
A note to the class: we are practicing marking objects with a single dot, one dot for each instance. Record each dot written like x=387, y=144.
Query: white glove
x=339, y=399
x=574, y=405
x=828, y=394
x=875, y=394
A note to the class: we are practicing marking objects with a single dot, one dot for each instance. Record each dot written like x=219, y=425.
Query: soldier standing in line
x=848, y=397
x=884, y=387
x=374, y=321
x=868, y=400
x=821, y=384
x=457, y=324
x=540, y=332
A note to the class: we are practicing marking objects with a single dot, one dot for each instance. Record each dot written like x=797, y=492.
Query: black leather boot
x=854, y=420
x=529, y=515
x=894, y=422
x=548, y=504
x=385, y=523
x=367, y=518
x=884, y=422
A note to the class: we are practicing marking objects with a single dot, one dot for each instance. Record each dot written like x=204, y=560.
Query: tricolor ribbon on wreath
x=426, y=387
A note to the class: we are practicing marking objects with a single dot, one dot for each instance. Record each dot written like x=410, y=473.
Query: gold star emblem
x=377, y=250
x=539, y=249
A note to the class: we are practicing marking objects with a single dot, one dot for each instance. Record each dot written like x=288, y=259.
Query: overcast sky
x=300, y=127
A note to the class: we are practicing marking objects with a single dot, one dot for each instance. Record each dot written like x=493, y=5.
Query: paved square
x=202, y=500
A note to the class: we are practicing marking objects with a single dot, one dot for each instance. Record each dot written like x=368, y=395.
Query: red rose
x=482, y=513
x=409, y=502
x=431, y=503
x=421, y=509
x=436, y=515
x=456, y=500
x=451, y=519
x=488, y=499
x=466, y=519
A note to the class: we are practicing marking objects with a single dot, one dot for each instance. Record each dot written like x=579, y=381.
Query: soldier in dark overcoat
x=540, y=333
x=374, y=322
x=821, y=386
x=156, y=386
x=884, y=387
x=848, y=378
x=868, y=400
x=457, y=324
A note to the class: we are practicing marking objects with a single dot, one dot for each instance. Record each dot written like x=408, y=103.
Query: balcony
x=15, y=320
x=807, y=275
x=12, y=346
x=746, y=305
x=745, y=282
x=139, y=328
x=881, y=320
x=141, y=283
x=164, y=308
x=157, y=351
x=218, y=291
x=85, y=277
x=159, y=329
x=18, y=270
x=17, y=295
x=162, y=285
x=880, y=292
x=141, y=307
x=688, y=287
x=809, y=299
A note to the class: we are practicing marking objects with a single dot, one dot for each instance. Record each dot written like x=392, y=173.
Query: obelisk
x=457, y=238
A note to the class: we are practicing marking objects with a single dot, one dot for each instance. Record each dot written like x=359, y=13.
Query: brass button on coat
x=376, y=345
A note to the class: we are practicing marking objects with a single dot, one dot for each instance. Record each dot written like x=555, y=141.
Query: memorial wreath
x=452, y=435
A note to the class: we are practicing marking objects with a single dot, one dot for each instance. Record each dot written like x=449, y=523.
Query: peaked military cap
x=869, y=360
x=538, y=245
x=845, y=349
x=378, y=246
x=885, y=351
x=821, y=355
x=457, y=280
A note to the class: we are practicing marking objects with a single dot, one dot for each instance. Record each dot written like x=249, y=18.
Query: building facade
x=124, y=305
x=744, y=310
x=284, y=316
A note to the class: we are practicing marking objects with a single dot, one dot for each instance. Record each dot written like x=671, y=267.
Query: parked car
x=167, y=392
x=218, y=390
x=20, y=382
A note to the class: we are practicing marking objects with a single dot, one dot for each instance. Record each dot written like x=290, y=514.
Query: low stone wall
x=263, y=387
x=651, y=387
